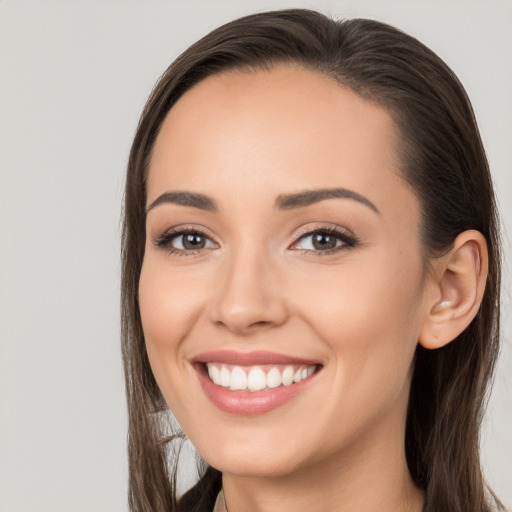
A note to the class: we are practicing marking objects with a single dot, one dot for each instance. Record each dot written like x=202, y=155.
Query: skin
x=243, y=139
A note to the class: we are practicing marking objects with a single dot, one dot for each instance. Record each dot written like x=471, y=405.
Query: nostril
x=260, y=322
x=243, y=323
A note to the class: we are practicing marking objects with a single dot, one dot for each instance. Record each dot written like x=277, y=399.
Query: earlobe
x=455, y=290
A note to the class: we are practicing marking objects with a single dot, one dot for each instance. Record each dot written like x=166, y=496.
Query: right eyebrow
x=307, y=197
x=193, y=199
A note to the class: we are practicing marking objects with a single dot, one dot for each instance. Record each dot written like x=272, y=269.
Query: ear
x=454, y=290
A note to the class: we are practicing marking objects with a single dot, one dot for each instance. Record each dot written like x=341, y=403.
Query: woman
x=310, y=273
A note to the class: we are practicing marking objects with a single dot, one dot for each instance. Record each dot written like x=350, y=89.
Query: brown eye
x=323, y=241
x=191, y=241
x=185, y=242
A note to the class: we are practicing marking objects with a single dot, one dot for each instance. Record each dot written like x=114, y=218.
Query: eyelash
x=164, y=241
x=348, y=240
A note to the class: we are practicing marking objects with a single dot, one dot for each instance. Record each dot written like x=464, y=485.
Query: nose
x=250, y=297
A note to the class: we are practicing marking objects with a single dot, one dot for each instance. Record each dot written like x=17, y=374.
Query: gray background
x=74, y=76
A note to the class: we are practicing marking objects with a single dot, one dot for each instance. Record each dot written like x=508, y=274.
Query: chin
x=256, y=458
x=259, y=467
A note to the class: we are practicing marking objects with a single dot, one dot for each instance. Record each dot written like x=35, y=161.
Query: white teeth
x=254, y=378
x=238, y=379
x=214, y=374
x=225, y=377
x=273, y=378
x=287, y=377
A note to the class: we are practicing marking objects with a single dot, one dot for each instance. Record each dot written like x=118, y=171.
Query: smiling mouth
x=253, y=383
x=257, y=378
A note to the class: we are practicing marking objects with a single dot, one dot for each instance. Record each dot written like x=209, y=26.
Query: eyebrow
x=307, y=197
x=193, y=199
x=283, y=202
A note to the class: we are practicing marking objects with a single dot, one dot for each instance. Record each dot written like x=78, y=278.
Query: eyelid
x=163, y=241
x=347, y=238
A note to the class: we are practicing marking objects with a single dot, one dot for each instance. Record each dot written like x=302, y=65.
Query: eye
x=324, y=240
x=185, y=241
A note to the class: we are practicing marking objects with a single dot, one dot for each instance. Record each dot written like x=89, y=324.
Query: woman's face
x=282, y=245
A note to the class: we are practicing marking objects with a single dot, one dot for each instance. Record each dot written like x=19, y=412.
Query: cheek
x=170, y=297
x=369, y=322
x=369, y=316
x=168, y=306
x=377, y=294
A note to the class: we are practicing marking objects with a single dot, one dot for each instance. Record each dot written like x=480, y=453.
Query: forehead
x=269, y=132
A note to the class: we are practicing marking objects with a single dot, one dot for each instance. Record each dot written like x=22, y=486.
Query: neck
x=371, y=475
x=373, y=487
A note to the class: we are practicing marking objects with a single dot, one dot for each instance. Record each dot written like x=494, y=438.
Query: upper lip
x=249, y=358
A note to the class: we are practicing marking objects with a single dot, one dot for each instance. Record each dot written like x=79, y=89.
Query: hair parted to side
x=444, y=162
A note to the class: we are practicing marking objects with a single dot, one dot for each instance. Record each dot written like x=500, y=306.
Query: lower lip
x=250, y=403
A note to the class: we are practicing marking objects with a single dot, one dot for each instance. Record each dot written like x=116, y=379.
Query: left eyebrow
x=308, y=197
x=192, y=199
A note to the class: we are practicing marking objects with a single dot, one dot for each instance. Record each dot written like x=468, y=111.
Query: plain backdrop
x=74, y=76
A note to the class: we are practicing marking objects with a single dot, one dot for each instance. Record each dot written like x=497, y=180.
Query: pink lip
x=249, y=403
x=249, y=358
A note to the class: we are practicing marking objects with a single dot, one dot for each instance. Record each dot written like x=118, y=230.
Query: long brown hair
x=442, y=159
